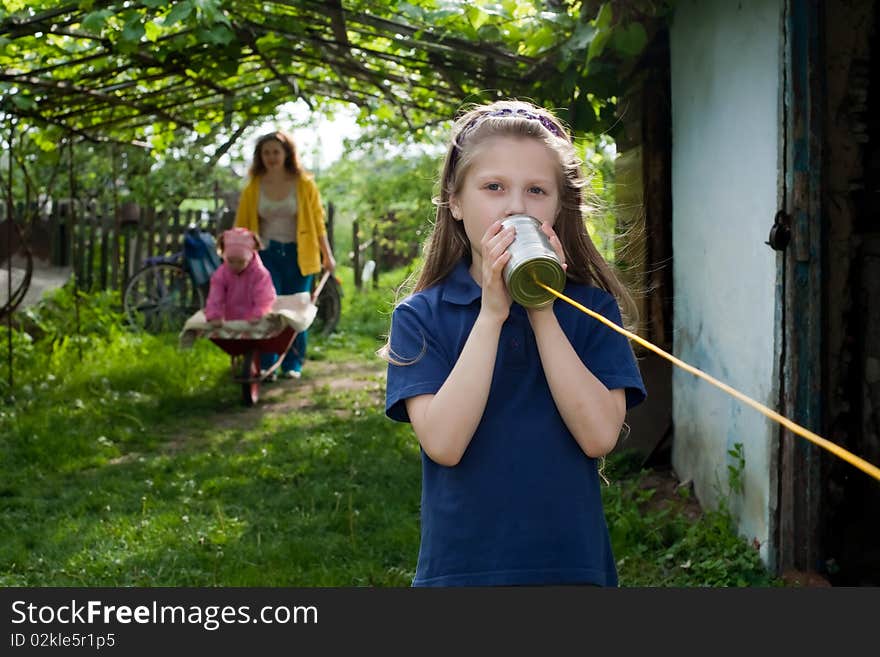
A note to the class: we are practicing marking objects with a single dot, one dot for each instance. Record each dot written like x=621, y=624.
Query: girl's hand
x=555, y=243
x=493, y=248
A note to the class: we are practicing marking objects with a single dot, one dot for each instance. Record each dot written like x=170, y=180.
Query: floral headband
x=519, y=112
x=551, y=127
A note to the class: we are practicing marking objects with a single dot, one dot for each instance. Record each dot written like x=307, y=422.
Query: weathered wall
x=725, y=64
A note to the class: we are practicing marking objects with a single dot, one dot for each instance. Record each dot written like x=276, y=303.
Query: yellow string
x=835, y=449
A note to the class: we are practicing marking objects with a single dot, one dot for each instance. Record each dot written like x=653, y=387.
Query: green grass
x=132, y=480
x=655, y=543
x=129, y=462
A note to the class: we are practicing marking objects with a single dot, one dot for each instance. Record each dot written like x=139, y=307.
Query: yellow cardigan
x=309, y=219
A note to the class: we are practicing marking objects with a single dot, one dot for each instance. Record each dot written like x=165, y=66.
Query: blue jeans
x=280, y=259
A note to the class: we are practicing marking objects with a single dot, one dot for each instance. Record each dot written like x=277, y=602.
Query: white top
x=278, y=218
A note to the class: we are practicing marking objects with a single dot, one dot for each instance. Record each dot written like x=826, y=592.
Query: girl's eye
x=536, y=190
x=493, y=186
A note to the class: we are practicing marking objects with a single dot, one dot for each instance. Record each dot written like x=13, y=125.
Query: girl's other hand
x=560, y=253
x=555, y=243
x=493, y=248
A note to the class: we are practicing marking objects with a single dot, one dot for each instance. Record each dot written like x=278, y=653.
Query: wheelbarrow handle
x=321, y=284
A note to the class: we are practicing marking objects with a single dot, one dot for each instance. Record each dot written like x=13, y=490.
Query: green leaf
x=24, y=102
x=179, y=12
x=134, y=29
x=476, y=16
x=212, y=12
x=539, y=41
x=411, y=11
x=597, y=46
x=489, y=32
x=94, y=22
x=269, y=40
x=582, y=37
x=217, y=35
x=13, y=6
x=630, y=40
x=154, y=4
x=152, y=31
x=163, y=136
x=44, y=142
x=384, y=113
x=604, y=17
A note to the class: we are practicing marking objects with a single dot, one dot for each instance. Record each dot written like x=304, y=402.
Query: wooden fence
x=357, y=255
x=370, y=256
x=104, y=248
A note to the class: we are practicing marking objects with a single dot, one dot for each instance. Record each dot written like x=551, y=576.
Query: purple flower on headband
x=551, y=127
x=543, y=120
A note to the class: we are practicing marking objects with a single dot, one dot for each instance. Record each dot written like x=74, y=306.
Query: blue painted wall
x=726, y=123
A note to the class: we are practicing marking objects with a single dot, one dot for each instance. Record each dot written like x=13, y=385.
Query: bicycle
x=162, y=294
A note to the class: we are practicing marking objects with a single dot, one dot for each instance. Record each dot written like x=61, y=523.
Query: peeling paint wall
x=725, y=70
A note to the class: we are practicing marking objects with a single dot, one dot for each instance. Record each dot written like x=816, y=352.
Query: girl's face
x=507, y=176
x=237, y=263
x=272, y=154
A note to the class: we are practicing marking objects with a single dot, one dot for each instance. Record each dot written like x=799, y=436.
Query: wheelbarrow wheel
x=329, y=305
x=250, y=377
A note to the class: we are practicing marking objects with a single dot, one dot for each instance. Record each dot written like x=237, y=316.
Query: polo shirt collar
x=460, y=287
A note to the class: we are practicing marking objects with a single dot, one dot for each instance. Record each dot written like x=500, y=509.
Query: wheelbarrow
x=244, y=343
x=245, y=359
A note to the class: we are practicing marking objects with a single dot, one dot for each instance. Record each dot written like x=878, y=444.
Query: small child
x=241, y=288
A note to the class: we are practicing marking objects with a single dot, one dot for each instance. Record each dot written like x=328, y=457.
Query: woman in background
x=282, y=205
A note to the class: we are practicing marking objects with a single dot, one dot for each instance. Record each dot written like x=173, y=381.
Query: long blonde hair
x=448, y=243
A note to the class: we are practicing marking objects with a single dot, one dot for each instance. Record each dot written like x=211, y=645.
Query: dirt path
x=285, y=395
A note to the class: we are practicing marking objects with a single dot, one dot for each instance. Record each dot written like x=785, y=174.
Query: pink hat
x=239, y=242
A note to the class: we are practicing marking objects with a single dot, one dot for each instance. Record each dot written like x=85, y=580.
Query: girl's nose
x=515, y=203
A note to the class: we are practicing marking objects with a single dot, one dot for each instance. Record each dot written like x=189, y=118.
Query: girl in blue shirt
x=512, y=407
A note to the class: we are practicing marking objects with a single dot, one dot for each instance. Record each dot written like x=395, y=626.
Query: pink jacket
x=248, y=295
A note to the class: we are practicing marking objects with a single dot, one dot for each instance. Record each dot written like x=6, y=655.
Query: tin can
x=531, y=258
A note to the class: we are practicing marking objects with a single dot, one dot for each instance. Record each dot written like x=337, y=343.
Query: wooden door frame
x=801, y=291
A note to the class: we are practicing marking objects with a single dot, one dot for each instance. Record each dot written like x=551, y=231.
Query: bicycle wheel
x=161, y=297
x=329, y=305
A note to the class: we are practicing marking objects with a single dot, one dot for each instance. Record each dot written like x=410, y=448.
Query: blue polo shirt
x=523, y=506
